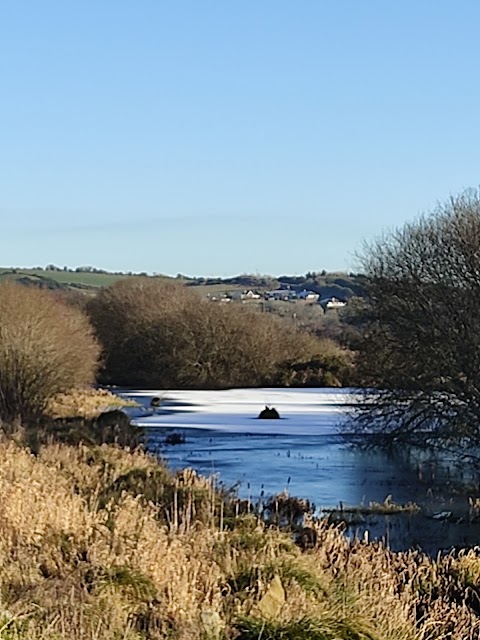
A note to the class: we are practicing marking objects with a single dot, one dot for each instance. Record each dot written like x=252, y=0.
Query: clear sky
x=214, y=137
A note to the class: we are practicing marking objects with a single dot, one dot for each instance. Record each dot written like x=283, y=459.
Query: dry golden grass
x=85, y=403
x=105, y=543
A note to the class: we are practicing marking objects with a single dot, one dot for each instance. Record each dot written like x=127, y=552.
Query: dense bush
x=158, y=334
x=333, y=367
x=46, y=347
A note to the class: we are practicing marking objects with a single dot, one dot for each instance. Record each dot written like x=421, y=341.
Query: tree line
x=149, y=333
x=414, y=335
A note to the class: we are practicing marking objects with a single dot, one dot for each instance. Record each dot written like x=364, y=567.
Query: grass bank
x=105, y=543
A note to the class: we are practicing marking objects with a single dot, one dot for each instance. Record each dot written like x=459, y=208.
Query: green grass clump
x=251, y=628
x=128, y=580
x=387, y=507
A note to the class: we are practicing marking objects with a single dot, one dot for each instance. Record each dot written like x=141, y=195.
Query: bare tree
x=420, y=343
x=159, y=334
x=46, y=347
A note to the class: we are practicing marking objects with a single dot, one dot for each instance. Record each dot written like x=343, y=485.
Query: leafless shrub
x=46, y=347
x=159, y=334
x=420, y=339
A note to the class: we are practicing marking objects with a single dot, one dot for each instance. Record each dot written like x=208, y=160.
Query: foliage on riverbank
x=99, y=542
x=46, y=348
x=418, y=338
x=387, y=507
x=85, y=403
x=156, y=334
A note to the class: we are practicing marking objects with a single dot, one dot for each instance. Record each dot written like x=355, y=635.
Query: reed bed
x=97, y=542
x=85, y=403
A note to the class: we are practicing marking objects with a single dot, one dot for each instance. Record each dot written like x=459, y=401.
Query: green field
x=340, y=285
x=93, y=280
x=99, y=280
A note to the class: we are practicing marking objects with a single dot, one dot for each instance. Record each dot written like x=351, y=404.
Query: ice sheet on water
x=302, y=411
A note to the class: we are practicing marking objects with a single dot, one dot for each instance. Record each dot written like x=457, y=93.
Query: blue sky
x=218, y=137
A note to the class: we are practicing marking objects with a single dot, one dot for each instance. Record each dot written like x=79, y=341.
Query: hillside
x=340, y=285
x=64, y=280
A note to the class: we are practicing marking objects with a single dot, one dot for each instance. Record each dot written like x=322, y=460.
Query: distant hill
x=340, y=285
x=63, y=280
x=31, y=280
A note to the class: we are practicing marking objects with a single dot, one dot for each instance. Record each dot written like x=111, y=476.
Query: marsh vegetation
x=102, y=542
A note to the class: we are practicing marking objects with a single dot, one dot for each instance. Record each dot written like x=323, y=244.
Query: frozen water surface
x=303, y=452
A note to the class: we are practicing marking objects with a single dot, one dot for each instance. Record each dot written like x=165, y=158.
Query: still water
x=304, y=453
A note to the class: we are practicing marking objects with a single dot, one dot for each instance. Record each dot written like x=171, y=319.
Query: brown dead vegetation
x=46, y=347
x=158, y=334
x=99, y=542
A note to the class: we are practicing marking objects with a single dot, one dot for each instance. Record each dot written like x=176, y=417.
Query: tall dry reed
x=99, y=542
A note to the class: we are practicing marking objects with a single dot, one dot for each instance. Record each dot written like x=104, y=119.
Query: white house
x=332, y=303
x=250, y=295
x=311, y=296
x=246, y=295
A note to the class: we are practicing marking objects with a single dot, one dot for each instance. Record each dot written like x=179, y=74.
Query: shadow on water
x=328, y=471
x=167, y=406
x=175, y=403
x=325, y=469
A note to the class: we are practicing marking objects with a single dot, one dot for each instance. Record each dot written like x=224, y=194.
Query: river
x=304, y=453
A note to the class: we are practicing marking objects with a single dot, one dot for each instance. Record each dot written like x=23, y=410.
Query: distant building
x=251, y=295
x=248, y=294
x=281, y=294
x=332, y=303
x=311, y=296
x=221, y=297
